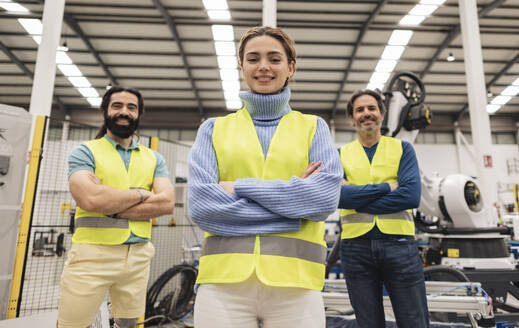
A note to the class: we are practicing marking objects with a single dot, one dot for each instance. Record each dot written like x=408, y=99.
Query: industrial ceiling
x=165, y=48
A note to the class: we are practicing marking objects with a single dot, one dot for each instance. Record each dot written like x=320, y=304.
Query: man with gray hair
x=381, y=187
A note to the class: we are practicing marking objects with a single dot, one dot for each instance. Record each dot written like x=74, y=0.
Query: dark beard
x=122, y=131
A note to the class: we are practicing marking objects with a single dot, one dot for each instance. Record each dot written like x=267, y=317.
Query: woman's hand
x=228, y=186
x=312, y=169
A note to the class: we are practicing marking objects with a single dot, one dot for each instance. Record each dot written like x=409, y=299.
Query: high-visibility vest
x=294, y=259
x=97, y=228
x=383, y=168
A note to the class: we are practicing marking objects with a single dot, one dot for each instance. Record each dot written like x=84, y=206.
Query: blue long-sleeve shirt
x=262, y=206
x=378, y=198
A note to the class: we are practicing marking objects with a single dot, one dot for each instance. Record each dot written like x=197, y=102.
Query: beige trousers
x=93, y=270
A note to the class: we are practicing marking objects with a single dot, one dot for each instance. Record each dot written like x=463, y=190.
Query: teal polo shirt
x=81, y=158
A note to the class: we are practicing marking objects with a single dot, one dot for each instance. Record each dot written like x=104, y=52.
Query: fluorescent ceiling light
x=225, y=48
x=13, y=7
x=219, y=14
x=511, y=90
x=385, y=65
x=423, y=10
x=375, y=86
x=62, y=58
x=516, y=82
x=33, y=26
x=63, y=48
x=95, y=102
x=36, y=38
x=227, y=61
x=231, y=85
x=379, y=77
x=233, y=95
x=392, y=52
x=500, y=100
x=70, y=70
x=410, y=20
x=88, y=92
x=215, y=4
x=400, y=37
x=450, y=57
x=223, y=32
x=432, y=2
x=233, y=104
x=79, y=81
x=229, y=74
x=491, y=109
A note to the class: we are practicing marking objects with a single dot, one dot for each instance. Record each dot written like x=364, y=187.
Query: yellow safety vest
x=294, y=259
x=383, y=168
x=97, y=228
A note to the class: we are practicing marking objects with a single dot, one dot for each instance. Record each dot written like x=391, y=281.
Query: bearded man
x=118, y=186
x=378, y=248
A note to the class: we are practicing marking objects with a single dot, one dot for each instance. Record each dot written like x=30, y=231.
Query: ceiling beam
x=491, y=82
x=454, y=32
x=27, y=72
x=360, y=36
x=73, y=24
x=174, y=32
x=340, y=25
x=257, y=10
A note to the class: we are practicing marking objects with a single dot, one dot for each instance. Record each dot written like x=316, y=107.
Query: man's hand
x=393, y=185
x=228, y=186
x=159, y=202
x=312, y=169
x=345, y=182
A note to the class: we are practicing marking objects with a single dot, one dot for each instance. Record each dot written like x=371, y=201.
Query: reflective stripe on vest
x=383, y=168
x=294, y=259
x=368, y=218
x=221, y=245
x=357, y=218
x=269, y=245
x=292, y=247
x=97, y=228
x=101, y=222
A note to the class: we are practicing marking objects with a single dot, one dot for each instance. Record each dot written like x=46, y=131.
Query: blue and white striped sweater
x=261, y=206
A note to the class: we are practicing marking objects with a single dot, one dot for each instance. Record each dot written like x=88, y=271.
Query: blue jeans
x=370, y=263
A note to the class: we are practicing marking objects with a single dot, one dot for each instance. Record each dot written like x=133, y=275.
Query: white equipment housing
x=455, y=199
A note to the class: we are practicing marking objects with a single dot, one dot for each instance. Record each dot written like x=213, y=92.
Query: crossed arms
x=92, y=196
x=386, y=198
x=260, y=206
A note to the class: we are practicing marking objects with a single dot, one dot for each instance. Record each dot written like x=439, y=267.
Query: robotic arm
x=455, y=199
x=404, y=100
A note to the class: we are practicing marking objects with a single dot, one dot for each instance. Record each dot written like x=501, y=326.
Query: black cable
x=439, y=272
x=333, y=256
x=175, y=304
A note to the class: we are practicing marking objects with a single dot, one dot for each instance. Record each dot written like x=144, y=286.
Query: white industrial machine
x=15, y=130
x=462, y=236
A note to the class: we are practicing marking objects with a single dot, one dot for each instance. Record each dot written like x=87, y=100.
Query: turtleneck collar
x=266, y=107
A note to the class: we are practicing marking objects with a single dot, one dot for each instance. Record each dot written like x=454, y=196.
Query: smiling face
x=122, y=115
x=366, y=116
x=265, y=65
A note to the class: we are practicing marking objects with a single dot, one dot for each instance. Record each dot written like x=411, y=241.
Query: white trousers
x=245, y=304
